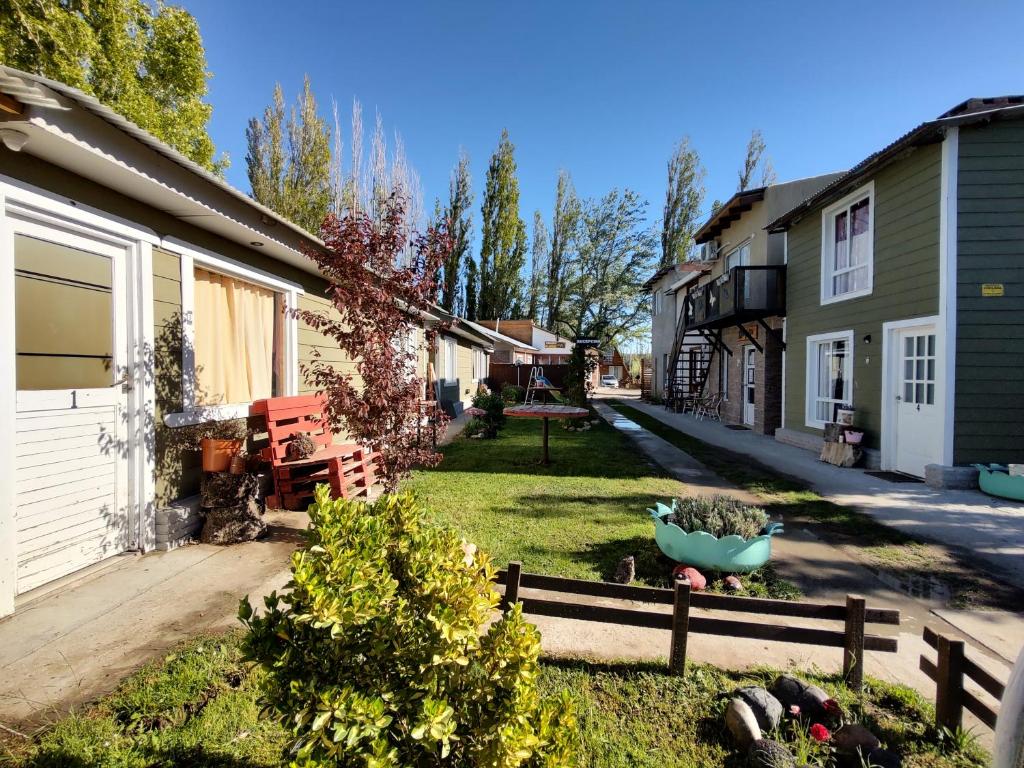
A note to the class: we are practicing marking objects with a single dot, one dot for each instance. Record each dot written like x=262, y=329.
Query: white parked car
x=609, y=380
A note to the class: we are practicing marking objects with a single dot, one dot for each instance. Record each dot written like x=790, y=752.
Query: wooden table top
x=546, y=412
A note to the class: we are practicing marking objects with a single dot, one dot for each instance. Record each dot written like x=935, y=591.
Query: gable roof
x=969, y=112
x=684, y=267
x=731, y=211
x=500, y=337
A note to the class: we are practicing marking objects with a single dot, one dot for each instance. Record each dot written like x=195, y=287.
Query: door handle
x=898, y=399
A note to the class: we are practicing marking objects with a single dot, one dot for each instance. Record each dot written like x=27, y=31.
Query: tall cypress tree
x=563, y=236
x=503, y=246
x=460, y=198
x=684, y=196
x=471, y=289
x=538, y=267
x=289, y=164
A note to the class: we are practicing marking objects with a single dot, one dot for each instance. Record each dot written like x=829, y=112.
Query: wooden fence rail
x=951, y=668
x=852, y=639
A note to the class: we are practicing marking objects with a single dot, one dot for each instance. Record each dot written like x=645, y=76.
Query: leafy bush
x=719, y=515
x=377, y=654
x=494, y=419
x=512, y=393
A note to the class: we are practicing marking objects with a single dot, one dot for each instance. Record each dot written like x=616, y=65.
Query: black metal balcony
x=744, y=295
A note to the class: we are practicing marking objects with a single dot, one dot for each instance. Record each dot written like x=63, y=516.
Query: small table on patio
x=545, y=412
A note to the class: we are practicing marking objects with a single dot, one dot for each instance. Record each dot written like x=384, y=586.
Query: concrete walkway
x=988, y=528
x=77, y=642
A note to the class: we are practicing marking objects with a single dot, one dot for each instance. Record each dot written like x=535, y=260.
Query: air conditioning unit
x=709, y=250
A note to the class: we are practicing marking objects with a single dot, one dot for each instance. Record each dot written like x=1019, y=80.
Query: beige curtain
x=234, y=340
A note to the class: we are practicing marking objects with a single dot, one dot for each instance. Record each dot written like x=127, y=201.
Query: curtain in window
x=860, y=246
x=234, y=324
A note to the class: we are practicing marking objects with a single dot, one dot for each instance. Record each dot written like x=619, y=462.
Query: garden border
x=852, y=639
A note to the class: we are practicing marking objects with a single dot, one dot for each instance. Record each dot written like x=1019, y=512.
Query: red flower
x=820, y=733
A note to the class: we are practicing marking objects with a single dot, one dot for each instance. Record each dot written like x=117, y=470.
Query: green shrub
x=377, y=653
x=494, y=418
x=719, y=515
x=512, y=393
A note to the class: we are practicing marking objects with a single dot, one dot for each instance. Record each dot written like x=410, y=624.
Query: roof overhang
x=685, y=280
x=924, y=134
x=72, y=130
x=731, y=211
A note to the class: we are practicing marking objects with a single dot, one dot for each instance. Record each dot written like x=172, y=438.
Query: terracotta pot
x=217, y=454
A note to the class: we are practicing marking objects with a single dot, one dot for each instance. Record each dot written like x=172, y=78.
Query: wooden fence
x=852, y=639
x=949, y=671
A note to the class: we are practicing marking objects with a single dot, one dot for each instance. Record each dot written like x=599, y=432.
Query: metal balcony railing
x=743, y=295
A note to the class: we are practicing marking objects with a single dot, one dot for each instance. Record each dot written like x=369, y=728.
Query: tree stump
x=233, y=507
x=840, y=454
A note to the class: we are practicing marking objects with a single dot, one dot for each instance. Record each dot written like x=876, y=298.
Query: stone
x=765, y=753
x=233, y=525
x=853, y=737
x=788, y=690
x=695, y=577
x=766, y=708
x=733, y=584
x=222, y=489
x=812, y=702
x=742, y=723
x=626, y=570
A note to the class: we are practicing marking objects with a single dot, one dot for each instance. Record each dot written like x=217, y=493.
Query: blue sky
x=604, y=89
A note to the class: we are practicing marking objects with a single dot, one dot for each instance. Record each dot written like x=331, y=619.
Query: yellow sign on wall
x=992, y=289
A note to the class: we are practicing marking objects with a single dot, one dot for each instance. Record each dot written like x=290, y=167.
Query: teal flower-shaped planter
x=731, y=554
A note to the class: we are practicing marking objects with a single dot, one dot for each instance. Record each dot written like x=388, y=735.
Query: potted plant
x=221, y=441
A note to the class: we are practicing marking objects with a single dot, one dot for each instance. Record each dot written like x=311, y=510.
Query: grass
x=917, y=566
x=577, y=518
x=198, y=707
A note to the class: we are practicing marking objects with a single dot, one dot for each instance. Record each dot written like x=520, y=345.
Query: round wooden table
x=546, y=412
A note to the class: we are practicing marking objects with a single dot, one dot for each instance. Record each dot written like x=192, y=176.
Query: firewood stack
x=836, y=451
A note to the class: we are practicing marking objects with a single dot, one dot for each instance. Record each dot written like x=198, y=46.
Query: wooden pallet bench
x=349, y=469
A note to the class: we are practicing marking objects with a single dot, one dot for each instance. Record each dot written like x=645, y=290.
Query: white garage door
x=71, y=500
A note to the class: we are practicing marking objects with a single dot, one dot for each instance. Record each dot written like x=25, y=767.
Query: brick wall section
x=767, y=378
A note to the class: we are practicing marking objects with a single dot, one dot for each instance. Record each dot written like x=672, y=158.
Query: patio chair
x=710, y=407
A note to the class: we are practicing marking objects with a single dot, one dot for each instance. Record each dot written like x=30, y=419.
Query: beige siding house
x=146, y=297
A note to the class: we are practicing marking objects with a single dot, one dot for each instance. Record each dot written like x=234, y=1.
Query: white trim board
x=946, y=325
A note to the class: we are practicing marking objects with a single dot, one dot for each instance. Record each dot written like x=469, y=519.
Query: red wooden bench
x=348, y=468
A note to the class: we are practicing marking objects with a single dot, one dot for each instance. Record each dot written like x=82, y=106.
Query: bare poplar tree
x=684, y=196
x=337, y=169
x=355, y=185
x=379, y=183
x=755, y=149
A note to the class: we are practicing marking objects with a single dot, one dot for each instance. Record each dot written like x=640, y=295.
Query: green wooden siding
x=989, y=417
x=905, y=284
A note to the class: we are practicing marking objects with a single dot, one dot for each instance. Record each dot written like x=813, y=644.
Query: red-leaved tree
x=380, y=283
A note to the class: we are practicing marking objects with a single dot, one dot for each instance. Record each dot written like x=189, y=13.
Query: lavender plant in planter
x=719, y=533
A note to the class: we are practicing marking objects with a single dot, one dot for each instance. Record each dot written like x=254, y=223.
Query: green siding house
x=905, y=291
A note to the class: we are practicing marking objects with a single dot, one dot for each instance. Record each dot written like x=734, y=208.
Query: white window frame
x=745, y=245
x=479, y=364
x=828, y=244
x=811, y=380
x=191, y=256
x=450, y=360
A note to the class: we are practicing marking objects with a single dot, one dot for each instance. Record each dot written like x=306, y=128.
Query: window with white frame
x=449, y=359
x=238, y=340
x=738, y=257
x=479, y=364
x=847, y=247
x=656, y=302
x=829, y=376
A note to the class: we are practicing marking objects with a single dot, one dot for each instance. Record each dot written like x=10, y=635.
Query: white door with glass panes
x=918, y=422
x=71, y=431
x=749, y=390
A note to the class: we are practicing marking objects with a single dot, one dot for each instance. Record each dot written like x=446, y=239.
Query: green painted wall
x=989, y=419
x=905, y=285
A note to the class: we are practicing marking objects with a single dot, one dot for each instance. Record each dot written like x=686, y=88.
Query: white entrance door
x=749, y=393
x=918, y=423
x=71, y=446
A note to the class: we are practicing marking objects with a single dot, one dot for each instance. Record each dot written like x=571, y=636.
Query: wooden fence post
x=680, y=627
x=853, y=645
x=949, y=691
x=513, y=574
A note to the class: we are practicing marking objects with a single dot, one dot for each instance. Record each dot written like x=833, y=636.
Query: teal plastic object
x=996, y=481
x=732, y=554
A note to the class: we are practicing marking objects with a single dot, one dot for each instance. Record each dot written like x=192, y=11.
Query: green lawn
x=198, y=708
x=578, y=518
x=924, y=567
